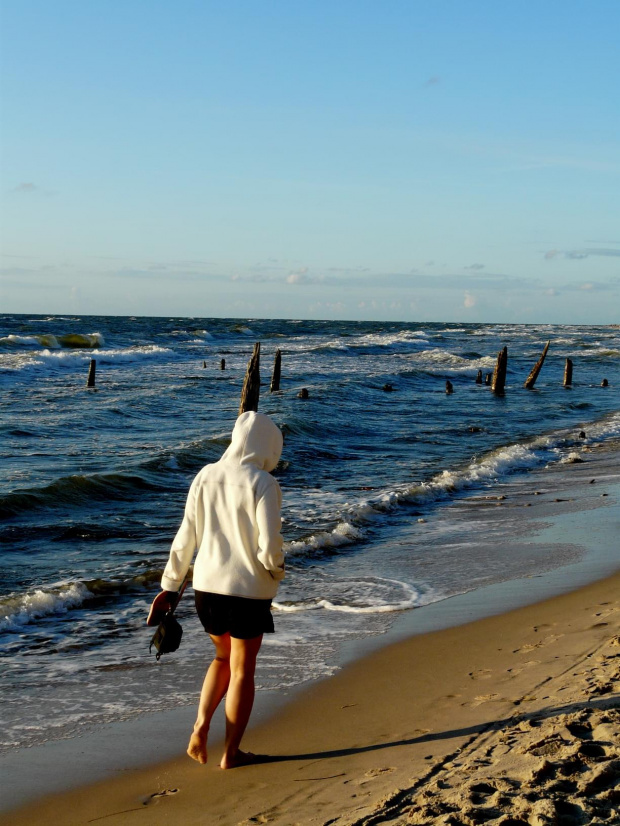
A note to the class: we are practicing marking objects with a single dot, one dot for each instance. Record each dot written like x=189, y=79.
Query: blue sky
x=403, y=160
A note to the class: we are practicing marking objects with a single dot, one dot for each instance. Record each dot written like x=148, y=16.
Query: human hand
x=162, y=603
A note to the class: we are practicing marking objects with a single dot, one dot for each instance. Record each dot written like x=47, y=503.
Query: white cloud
x=579, y=255
x=27, y=186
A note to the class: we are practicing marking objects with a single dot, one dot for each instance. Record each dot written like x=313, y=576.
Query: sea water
x=94, y=482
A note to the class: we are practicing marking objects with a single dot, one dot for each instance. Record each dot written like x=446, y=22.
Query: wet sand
x=512, y=719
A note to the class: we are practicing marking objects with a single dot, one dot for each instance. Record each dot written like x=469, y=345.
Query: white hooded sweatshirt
x=232, y=516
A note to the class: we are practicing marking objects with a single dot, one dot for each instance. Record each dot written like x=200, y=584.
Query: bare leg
x=239, y=699
x=213, y=689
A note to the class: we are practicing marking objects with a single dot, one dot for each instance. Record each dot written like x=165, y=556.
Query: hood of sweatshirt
x=256, y=440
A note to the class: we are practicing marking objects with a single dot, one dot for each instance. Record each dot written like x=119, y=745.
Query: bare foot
x=241, y=758
x=197, y=748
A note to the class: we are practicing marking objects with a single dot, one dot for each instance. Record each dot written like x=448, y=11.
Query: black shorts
x=241, y=617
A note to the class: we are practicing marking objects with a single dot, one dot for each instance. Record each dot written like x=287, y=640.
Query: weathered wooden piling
x=604, y=383
x=449, y=387
x=91, y=373
x=251, y=383
x=223, y=364
x=568, y=373
x=499, y=375
x=303, y=393
x=204, y=365
x=275, y=377
x=488, y=379
x=531, y=379
x=479, y=377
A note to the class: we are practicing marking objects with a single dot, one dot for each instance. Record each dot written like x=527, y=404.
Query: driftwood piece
x=531, y=379
x=251, y=383
x=90, y=382
x=568, y=373
x=498, y=381
x=275, y=378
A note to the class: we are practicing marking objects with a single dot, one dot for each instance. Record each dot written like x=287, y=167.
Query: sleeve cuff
x=168, y=584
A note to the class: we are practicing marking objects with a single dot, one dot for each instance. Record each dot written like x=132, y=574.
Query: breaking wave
x=71, y=341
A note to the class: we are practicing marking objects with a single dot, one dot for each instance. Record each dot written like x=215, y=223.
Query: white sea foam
x=147, y=352
x=25, y=341
x=17, y=611
x=367, y=595
x=404, y=338
x=480, y=472
x=351, y=595
x=343, y=534
x=53, y=360
x=445, y=362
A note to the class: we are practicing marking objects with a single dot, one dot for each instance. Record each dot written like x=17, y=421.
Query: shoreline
x=422, y=624
x=386, y=728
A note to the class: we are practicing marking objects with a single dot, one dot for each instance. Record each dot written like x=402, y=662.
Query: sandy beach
x=512, y=719
x=477, y=709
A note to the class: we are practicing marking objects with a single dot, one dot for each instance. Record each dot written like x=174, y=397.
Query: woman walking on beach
x=232, y=517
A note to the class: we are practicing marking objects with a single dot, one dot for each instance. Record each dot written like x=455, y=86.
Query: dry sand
x=514, y=719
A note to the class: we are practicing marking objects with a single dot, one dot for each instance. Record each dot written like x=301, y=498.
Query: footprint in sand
x=371, y=774
x=519, y=668
x=540, y=644
x=480, y=699
x=480, y=674
x=153, y=798
x=377, y=772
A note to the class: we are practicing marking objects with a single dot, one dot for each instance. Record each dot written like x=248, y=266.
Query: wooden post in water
x=91, y=373
x=479, y=377
x=449, y=387
x=223, y=364
x=531, y=379
x=275, y=378
x=568, y=373
x=251, y=384
x=488, y=379
x=498, y=381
